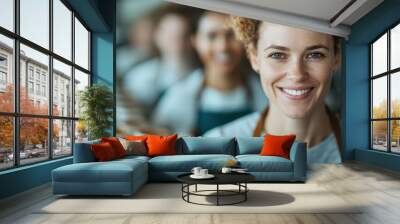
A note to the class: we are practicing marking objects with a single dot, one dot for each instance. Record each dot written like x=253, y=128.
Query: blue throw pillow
x=83, y=153
x=206, y=145
x=249, y=145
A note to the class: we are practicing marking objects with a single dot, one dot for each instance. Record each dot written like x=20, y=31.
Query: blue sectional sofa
x=125, y=176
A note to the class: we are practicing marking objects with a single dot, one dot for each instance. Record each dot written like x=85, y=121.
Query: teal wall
x=356, y=108
x=103, y=52
x=24, y=178
x=99, y=15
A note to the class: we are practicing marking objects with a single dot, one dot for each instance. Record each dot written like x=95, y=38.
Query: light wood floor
x=378, y=188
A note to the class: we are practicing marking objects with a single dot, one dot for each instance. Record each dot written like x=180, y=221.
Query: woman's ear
x=252, y=53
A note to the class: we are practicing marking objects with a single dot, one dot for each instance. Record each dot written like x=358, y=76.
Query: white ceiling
x=320, y=9
x=327, y=16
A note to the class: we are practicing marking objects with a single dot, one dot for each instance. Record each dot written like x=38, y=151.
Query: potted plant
x=96, y=104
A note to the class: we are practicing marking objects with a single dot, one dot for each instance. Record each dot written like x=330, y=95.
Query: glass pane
x=81, y=81
x=7, y=14
x=33, y=139
x=35, y=21
x=395, y=94
x=379, y=98
x=395, y=47
x=81, y=131
x=34, y=92
x=379, y=135
x=62, y=89
x=395, y=136
x=6, y=142
x=62, y=29
x=379, y=55
x=6, y=74
x=62, y=138
x=81, y=45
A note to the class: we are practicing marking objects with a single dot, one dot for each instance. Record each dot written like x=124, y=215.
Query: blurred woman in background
x=147, y=81
x=221, y=91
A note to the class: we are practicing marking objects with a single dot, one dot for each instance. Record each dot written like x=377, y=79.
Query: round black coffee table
x=238, y=179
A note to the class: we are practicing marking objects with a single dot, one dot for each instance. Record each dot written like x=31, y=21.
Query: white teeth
x=222, y=57
x=295, y=92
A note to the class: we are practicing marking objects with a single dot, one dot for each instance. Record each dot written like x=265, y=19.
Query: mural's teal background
x=99, y=15
x=356, y=108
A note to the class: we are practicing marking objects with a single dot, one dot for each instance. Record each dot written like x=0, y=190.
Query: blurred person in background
x=130, y=116
x=146, y=82
x=140, y=45
x=221, y=91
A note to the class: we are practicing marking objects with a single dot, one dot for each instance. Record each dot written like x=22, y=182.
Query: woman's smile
x=296, y=93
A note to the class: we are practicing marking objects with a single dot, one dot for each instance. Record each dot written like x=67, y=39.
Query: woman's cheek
x=268, y=78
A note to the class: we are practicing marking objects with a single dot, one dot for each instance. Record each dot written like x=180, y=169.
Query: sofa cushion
x=185, y=163
x=249, y=145
x=112, y=171
x=132, y=158
x=257, y=163
x=209, y=145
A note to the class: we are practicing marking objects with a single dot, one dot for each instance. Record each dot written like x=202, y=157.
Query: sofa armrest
x=83, y=152
x=298, y=154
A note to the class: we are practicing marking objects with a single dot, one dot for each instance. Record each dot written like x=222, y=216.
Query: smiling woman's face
x=217, y=45
x=295, y=66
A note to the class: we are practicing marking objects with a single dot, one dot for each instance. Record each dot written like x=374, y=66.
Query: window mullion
x=389, y=94
x=50, y=81
x=73, y=82
x=16, y=69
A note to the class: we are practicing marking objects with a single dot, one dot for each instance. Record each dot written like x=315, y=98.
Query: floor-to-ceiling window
x=44, y=64
x=385, y=91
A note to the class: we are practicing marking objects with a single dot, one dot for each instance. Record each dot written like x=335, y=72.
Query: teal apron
x=207, y=120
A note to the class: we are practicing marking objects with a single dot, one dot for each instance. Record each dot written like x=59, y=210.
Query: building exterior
x=34, y=79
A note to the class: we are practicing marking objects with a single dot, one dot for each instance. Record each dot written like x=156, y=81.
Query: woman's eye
x=315, y=55
x=277, y=55
x=211, y=36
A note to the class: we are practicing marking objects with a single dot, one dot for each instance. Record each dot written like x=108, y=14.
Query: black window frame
x=388, y=74
x=16, y=115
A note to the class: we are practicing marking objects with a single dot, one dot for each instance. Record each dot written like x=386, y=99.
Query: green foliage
x=97, y=109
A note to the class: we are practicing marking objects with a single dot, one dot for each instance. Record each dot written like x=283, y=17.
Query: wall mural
x=202, y=73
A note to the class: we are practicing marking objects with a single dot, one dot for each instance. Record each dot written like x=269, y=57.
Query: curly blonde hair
x=247, y=30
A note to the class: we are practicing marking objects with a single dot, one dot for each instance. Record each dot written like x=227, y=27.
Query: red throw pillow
x=103, y=152
x=161, y=145
x=277, y=145
x=116, y=145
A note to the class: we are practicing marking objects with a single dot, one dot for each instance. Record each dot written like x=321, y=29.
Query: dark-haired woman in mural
x=219, y=92
x=296, y=68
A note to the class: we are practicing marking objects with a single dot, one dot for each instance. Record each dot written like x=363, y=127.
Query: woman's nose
x=222, y=44
x=297, y=70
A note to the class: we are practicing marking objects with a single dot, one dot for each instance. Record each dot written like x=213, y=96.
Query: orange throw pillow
x=103, y=152
x=161, y=145
x=277, y=145
x=116, y=145
x=135, y=137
